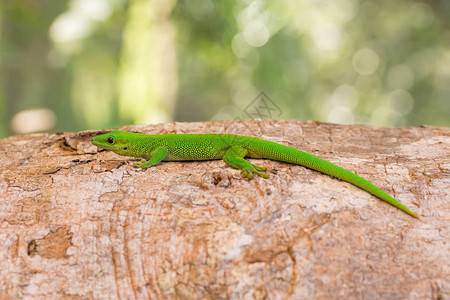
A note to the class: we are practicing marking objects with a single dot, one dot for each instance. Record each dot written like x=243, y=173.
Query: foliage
x=78, y=64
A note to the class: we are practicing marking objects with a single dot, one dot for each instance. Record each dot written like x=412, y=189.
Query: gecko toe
x=259, y=168
x=263, y=175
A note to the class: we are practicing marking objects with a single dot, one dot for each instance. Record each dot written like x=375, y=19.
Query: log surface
x=80, y=223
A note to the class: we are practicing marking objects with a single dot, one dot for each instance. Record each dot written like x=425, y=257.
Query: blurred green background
x=69, y=65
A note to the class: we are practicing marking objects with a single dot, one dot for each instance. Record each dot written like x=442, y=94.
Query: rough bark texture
x=76, y=222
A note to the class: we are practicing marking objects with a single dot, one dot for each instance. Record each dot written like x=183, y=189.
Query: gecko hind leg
x=234, y=157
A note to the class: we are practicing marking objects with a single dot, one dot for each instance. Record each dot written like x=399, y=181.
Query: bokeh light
x=107, y=63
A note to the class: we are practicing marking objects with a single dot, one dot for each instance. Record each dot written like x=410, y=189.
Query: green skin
x=232, y=149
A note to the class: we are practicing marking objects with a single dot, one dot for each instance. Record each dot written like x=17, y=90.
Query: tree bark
x=76, y=222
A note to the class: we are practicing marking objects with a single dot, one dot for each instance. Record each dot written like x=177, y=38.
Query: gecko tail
x=275, y=151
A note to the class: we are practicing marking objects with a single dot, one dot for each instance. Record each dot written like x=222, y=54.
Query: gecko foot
x=247, y=172
x=140, y=164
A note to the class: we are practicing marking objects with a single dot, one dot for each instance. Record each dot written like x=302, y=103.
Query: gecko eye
x=110, y=140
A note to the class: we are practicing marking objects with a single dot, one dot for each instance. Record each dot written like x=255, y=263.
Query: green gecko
x=232, y=149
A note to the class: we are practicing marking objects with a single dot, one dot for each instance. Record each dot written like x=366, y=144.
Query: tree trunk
x=81, y=223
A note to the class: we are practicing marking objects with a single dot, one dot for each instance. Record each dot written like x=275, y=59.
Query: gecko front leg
x=158, y=155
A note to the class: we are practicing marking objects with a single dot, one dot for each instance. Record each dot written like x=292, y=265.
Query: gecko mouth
x=102, y=144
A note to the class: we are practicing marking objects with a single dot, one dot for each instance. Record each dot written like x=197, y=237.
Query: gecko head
x=116, y=141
